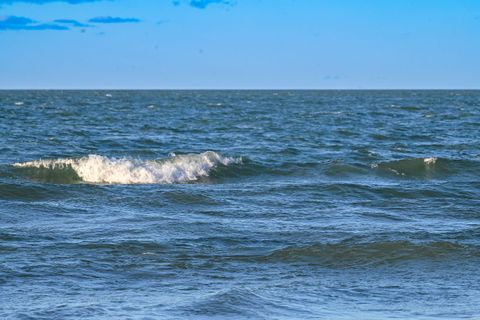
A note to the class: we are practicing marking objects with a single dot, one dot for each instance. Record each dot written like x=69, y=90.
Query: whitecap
x=100, y=169
x=430, y=160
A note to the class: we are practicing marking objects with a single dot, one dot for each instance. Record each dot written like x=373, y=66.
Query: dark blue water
x=239, y=204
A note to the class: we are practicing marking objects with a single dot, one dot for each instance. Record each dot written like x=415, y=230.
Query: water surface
x=239, y=204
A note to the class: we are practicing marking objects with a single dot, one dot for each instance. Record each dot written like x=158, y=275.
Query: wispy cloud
x=113, y=20
x=23, y=23
x=70, y=22
x=46, y=1
x=203, y=4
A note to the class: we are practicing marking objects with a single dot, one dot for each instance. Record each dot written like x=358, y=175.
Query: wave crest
x=414, y=167
x=100, y=169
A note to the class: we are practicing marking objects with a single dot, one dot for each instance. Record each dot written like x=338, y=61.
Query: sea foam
x=100, y=169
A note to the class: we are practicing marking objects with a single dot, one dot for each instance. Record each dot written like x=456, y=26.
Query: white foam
x=430, y=160
x=99, y=169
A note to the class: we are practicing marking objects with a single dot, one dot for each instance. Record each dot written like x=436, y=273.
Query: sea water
x=239, y=204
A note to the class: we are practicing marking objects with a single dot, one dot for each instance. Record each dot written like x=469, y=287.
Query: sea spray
x=100, y=169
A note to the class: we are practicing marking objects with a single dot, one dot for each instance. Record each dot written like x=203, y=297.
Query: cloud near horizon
x=23, y=23
x=109, y=19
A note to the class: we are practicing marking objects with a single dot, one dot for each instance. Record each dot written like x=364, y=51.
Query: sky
x=239, y=44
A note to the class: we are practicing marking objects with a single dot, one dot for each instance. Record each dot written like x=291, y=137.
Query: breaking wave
x=105, y=170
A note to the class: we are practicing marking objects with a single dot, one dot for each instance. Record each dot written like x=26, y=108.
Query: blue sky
x=245, y=44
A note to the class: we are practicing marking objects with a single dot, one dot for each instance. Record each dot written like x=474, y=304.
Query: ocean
x=240, y=204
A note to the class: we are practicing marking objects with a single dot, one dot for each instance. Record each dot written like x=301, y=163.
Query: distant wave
x=357, y=254
x=100, y=169
x=414, y=167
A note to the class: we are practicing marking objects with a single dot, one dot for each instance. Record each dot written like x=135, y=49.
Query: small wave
x=238, y=302
x=415, y=167
x=343, y=169
x=230, y=301
x=347, y=254
x=100, y=169
x=25, y=193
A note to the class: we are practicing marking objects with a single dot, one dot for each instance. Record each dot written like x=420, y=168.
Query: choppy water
x=239, y=204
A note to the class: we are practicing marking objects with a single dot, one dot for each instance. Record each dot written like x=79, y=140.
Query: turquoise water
x=239, y=204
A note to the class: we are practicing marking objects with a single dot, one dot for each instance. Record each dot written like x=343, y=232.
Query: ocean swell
x=414, y=167
x=347, y=254
x=105, y=170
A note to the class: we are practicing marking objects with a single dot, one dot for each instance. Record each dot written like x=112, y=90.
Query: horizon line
x=239, y=89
